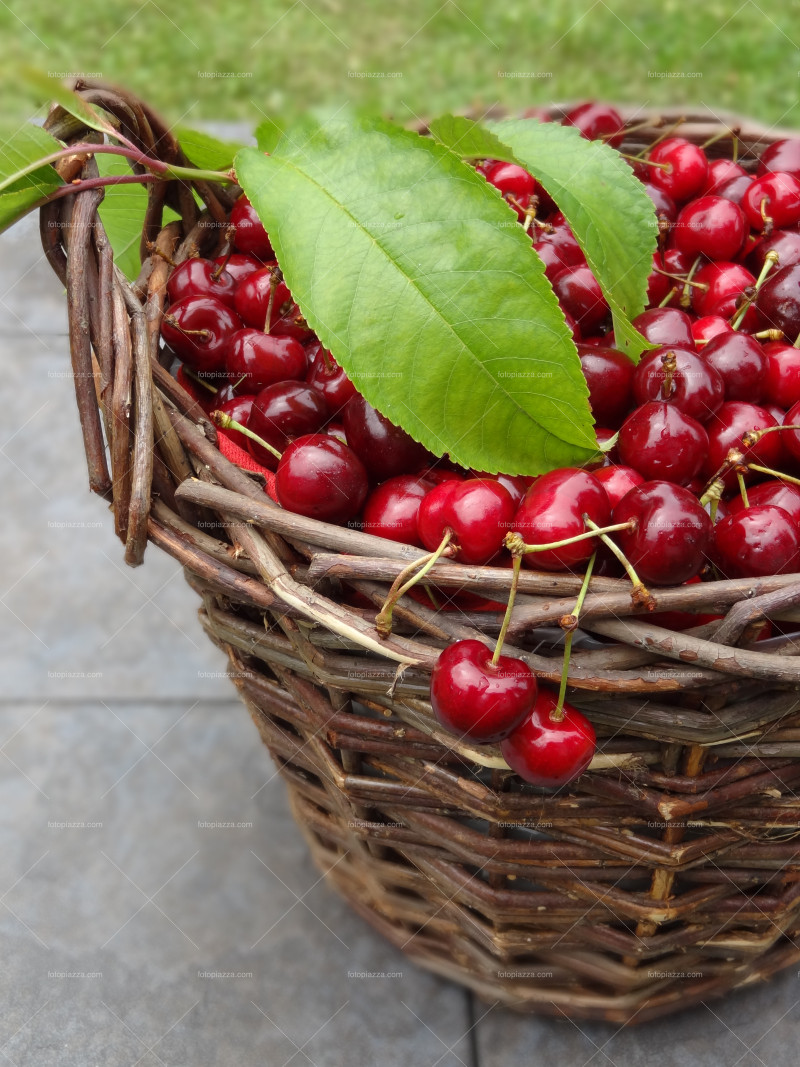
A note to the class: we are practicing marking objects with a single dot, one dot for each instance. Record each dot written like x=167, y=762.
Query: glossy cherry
x=251, y=237
x=479, y=512
x=515, y=184
x=719, y=287
x=721, y=171
x=783, y=156
x=772, y=202
x=781, y=382
x=580, y=294
x=595, y=121
x=665, y=326
x=778, y=301
x=609, y=375
x=740, y=361
x=790, y=439
x=253, y=298
x=710, y=226
x=237, y=408
x=201, y=277
x=476, y=699
x=550, y=752
x=239, y=265
x=735, y=188
x=392, y=508
x=553, y=510
x=281, y=413
x=785, y=243
x=756, y=542
x=617, y=481
x=780, y=494
x=708, y=326
x=686, y=170
x=322, y=478
x=255, y=359
x=691, y=385
x=663, y=443
x=384, y=449
x=726, y=430
x=668, y=543
x=331, y=380
x=198, y=329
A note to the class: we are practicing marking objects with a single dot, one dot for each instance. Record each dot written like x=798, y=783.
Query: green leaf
x=610, y=214
x=412, y=270
x=469, y=140
x=71, y=102
x=122, y=212
x=206, y=152
x=20, y=148
x=268, y=134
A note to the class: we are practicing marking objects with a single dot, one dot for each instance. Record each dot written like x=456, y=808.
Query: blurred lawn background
x=242, y=60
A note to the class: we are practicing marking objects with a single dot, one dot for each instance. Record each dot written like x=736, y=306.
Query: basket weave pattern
x=668, y=874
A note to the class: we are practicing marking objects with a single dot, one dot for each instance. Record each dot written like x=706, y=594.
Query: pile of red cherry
x=695, y=481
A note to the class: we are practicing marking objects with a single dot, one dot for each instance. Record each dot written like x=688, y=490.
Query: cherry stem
x=200, y=381
x=517, y=546
x=641, y=159
x=717, y=137
x=270, y=303
x=770, y=335
x=752, y=437
x=223, y=420
x=686, y=295
x=668, y=132
x=187, y=333
x=773, y=474
x=498, y=648
x=669, y=361
x=640, y=594
x=570, y=624
x=770, y=261
x=742, y=488
x=216, y=274
x=768, y=221
x=713, y=495
x=402, y=583
x=669, y=297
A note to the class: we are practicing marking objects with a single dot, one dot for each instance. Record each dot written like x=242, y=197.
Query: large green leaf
x=608, y=209
x=122, y=212
x=20, y=147
x=205, y=151
x=413, y=272
x=469, y=140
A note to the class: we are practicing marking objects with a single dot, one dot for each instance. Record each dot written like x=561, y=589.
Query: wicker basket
x=668, y=874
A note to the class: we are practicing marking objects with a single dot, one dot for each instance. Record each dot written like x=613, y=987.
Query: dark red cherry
x=663, y=203
x=617, y=481
x=320, y=477
x=756, y=542
x=790, y=439
x=693, y=386
x=283, y=412
x=721, y=171
x=774, y=492
x=237, y=408
x=478, y=511
x=668, y=543
x=546, y=752
x=256, y=359
x=476, y=699
x=782, y=156
x=553, y=510
x=710, y=226
x=253, y=297
x=709, y=326
x=734, y=189
x=740, y=361
x=719, y=287
x=392, y=507
x=580, y=294
x=778, y=301
x=781, y=382
x=772, y=202
x=785, y=243
x=685, y=168
x=331, y=380
x=663, y=443
x=198, y=329
x=201, y=277
x=291, y=323
x=658, y=284
x=609, y=375
x=726, y=430
x=665, y=326
x=516, y=485
x=238, y=265
x=251, y=237
x=384, y=449
x=596, y=121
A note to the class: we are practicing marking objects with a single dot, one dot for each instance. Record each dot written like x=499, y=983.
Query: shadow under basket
x=666, y=875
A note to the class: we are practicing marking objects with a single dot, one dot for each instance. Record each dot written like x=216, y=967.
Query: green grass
x=290, y=56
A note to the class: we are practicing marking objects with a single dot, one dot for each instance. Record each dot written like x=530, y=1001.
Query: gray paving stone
x=32, y=300
x=158, y=906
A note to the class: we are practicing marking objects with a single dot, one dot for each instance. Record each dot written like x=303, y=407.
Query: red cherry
x=741, y=363
x=734, y=189
x=609, y=375
x=553, y=510
x=199, y=277
x=789, y=438
x=756, y=542
x=384, y=449
x=668, y=543
x=710, y=226
x=709, y=326
x=781, y=382
x=516, y=485
x=663, y=203
x=721, y=171
x=238, y=408
x=253, y=297
x=256, y=359
x=726, y=284
x=515, y=183
x=547, y=752
x=694, y=386
x=391, y=509
x=250, y=236
x=198, y=329
x=780, y=494
x=322, y=478
x=478, y=700
x=686, y=170
x=282, y=412
x=661, y=442
x=772, y=201
x=725, y=431
x=778, y=301
x=331, y=380
x=238, y=265
x=580, y=294
x=665, y=326
x=597, y=121
x=783, y=156
x=617, y=481
x=785, y=243
x=478, y=511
